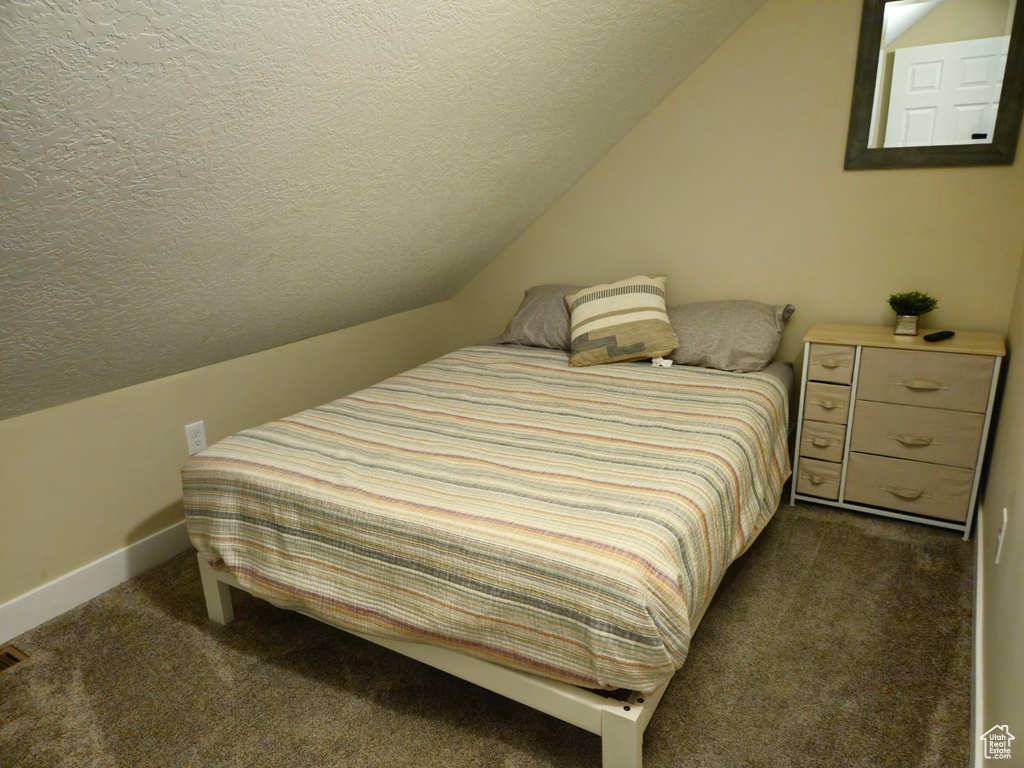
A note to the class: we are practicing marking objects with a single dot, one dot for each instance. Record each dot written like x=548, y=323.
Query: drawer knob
x=903, y=493
x=922, y=385
x=820, y=442
x=828, y=405
x=913, y=441
x=817, y=479
x=829, y=362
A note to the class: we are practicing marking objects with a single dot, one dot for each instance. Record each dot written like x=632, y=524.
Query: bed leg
x=217, y=594
x=622, y=737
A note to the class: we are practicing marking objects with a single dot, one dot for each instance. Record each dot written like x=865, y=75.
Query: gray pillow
x=739, y=336
x=542, y=320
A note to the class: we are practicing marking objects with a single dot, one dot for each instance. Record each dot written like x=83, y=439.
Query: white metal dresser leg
x=217, y=594
x=622, y=738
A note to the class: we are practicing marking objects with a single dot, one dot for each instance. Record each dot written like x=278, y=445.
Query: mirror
x=938, y=83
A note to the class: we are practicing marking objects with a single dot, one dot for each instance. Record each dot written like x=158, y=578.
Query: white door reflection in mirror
x=940, y=71
x=946, y=93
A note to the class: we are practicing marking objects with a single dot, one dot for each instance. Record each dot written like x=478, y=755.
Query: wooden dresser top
x=965, y=342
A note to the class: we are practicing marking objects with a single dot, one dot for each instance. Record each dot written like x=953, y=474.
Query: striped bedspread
x=564, y=521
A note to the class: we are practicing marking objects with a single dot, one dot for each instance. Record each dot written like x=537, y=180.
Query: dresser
x=895, y=425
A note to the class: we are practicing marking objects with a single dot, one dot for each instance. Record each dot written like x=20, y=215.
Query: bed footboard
x=620, y=724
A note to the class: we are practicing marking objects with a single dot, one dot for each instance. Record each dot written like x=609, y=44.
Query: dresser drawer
x=827, y=402
x=831, y=363
x=818, y=478
x=929, y=379
x=909, y=486
x=822, y=441
x=921, y=434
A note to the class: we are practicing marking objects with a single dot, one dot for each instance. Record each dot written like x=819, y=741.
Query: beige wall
x=956, y=20
x=84, y=479
x=1003, y=596
x=734, y=186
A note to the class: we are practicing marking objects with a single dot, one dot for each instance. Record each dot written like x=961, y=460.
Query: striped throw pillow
x=616, y=322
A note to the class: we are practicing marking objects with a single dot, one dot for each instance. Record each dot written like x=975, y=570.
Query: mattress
x=568, y=522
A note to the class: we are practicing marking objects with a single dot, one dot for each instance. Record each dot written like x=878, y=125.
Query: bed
x=545, y=531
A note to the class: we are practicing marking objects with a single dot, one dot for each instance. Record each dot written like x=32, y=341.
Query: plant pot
x=906, y=325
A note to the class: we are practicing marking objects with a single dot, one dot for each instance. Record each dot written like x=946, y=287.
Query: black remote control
x=939, y=336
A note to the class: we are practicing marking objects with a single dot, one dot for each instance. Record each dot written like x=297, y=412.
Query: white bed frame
x=620, y=724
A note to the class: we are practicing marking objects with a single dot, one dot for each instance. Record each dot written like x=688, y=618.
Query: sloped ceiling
x=186, y=182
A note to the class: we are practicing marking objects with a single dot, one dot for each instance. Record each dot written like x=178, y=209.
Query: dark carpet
x=838, y=639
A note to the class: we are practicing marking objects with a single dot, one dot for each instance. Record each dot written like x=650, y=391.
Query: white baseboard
x=977, y=679
x=65, y=592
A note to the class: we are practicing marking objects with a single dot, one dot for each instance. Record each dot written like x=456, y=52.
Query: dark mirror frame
x=1004, y=139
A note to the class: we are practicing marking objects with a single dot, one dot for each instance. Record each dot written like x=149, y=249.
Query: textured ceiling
x=186, y=182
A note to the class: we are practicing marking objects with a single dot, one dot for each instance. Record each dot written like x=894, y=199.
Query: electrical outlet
x=195, y=436
x=1001, y=536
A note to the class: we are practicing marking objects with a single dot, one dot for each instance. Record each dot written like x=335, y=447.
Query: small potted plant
x=908, y=308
